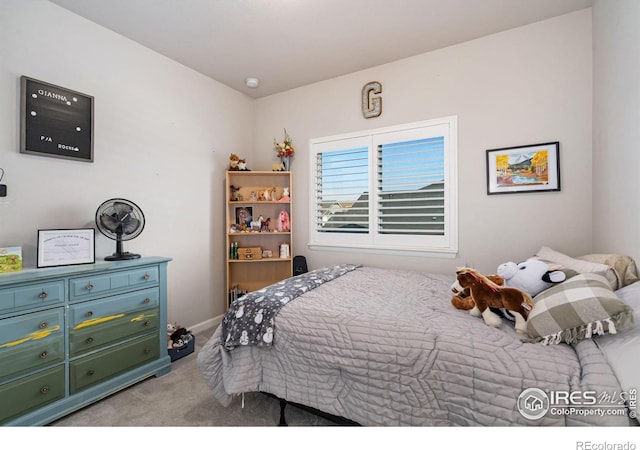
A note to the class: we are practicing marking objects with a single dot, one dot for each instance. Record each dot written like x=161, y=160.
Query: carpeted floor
x=181, y=398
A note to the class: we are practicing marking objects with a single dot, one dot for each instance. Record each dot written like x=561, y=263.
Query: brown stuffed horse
x=487, y=294
x=463, y=299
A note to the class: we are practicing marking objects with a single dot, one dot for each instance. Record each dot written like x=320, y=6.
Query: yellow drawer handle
x=146, y=277
x=91, y=372
x=89, y=313
x=43, y=295
x=147, y=300
x=43, y=325
x=44, y=390
x=44, y=354
x=89, y=340
x=90, y=286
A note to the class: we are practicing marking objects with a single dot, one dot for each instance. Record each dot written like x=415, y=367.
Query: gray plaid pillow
x=579, y=308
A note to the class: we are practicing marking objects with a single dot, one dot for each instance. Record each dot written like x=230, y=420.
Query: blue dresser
x=70, y=336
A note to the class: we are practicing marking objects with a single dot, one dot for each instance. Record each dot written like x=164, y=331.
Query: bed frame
x=283, y=421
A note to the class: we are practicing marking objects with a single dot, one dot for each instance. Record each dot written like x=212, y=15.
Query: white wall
x=525, y=86
x=163, y=134
x=616, y=127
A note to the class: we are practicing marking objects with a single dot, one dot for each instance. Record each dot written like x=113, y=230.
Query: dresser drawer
x=93, y=369
x=91, y=338
x=26, y=394
x=102, y=285
x=87, y=314
x=17, y=331
x=31, y=355
x=31, y=295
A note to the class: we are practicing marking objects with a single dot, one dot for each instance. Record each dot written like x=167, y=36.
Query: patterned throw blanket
x=250, y=319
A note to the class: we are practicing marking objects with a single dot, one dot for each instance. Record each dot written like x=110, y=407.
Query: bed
x=383, y=347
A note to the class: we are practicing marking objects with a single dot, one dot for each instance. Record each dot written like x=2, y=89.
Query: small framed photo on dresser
x=65, y=247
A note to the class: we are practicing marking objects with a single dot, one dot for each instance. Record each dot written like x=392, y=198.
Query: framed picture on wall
x=55, y=121
x=526, y=168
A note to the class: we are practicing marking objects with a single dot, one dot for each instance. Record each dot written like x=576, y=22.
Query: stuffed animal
x=277, y=167
x=233, y=162
x=463, y=300
x=486, y=294
x=283, y=221
x=176, y=335
x=532, y=276
x=242, y=165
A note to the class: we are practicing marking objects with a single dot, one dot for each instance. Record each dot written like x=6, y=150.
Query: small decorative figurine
x=285, y=195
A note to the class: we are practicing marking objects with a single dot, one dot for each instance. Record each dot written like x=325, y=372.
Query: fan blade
x=109, y=222
x=130, y=225
x=122, y=208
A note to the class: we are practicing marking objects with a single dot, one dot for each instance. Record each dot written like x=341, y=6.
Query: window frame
x=373, y=241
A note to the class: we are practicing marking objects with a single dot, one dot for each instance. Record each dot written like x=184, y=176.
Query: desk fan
x=120, y=220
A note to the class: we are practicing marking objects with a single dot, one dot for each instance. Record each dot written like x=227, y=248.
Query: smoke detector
x=252, y=82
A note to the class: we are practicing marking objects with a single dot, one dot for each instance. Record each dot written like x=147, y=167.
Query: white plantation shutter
x=410, y=187
x=342, y=191
x=387, y=189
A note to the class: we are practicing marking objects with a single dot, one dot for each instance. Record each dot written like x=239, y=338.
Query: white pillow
x=621, y=349
x=631, y=296
x=580, y=265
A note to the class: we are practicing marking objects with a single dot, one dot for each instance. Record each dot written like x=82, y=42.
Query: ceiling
x=292, y=43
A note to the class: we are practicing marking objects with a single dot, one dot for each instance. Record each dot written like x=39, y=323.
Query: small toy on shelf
x=285, y=195
x=283, y=221
x=266, y=195
x=233, y=162
x=234, y=192
x=256, y=224
x=242, y=165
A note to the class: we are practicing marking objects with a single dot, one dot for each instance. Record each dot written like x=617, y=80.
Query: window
x=387, y=189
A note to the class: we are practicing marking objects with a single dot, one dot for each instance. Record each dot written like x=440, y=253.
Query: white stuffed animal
x=532, y=276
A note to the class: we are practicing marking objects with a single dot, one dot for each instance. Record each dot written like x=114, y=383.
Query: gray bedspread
x=385, y=347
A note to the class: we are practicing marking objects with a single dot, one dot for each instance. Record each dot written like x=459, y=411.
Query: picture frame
x=66, y=247
x=525, y=168
x=242, y=214
x=55, y=121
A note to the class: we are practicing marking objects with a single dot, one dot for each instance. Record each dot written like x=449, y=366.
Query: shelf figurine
x=283, y=221
x=285, y=195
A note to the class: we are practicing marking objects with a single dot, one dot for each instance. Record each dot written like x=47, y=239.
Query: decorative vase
x=286, y=160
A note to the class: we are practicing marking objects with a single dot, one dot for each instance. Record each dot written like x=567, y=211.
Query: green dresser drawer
x=19, y=330
x=101, y=285
x=93, y=337
x=26, y=394
x=32, y=295
x=92, y=313
x=93, y=369
x=31, y=355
